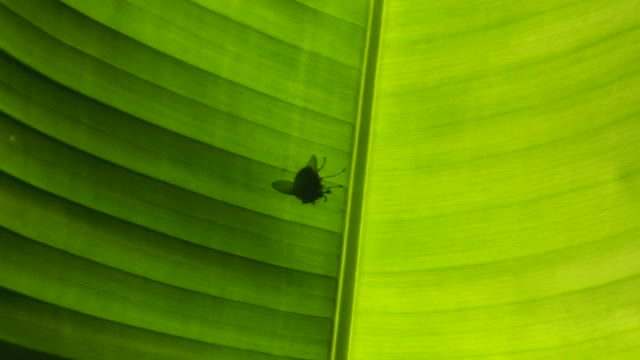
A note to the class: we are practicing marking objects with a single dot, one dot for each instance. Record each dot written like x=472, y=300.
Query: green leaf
x=491, y=194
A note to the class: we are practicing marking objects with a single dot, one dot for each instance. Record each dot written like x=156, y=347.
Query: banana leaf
x=490, y=207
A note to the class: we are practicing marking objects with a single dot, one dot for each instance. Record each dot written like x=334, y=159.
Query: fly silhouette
x=307, y=185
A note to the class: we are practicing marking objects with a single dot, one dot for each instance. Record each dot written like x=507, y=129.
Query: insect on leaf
x=307, y=185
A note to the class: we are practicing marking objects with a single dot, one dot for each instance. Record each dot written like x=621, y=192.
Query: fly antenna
x=324, y=160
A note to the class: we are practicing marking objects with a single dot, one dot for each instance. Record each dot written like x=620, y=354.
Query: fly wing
x=313, y=163
x=284, y=186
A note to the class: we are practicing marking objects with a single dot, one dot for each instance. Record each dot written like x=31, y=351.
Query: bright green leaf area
x=491, y=207
x=501, y=215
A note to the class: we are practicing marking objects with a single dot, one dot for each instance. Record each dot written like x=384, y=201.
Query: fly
x=307, y=185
